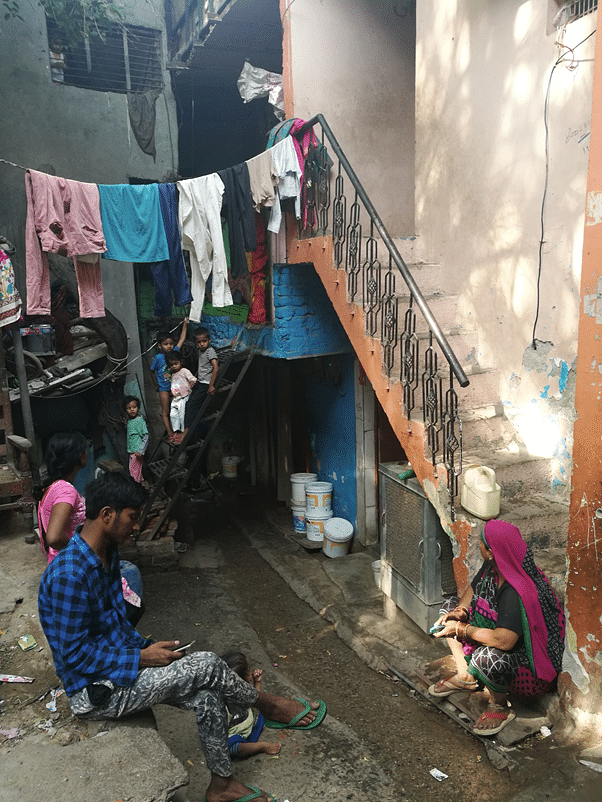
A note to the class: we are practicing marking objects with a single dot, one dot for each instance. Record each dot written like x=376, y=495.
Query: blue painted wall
x=331, y=416
x=305, y=323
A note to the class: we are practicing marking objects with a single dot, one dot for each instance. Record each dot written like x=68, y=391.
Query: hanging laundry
x=10, y=302
x=142, y=113
x=289, y=127
x=258, y=261
x=201, y=230
x=169, y=276
x=289, y=174
x=237, y=209
x=63, y=217
x=263, y=179
x=132, y=223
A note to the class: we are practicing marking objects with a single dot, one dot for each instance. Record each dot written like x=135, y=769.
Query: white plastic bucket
x=338, y=534
x=298, y=483
x=318, y=496
x=376, y=570
x=298, y=511
x=314, y=524
x=230, y=467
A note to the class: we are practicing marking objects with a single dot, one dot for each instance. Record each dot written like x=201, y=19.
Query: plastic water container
x=338, y=534
x=298, y=511
x=230, y=467
x=298, y=484
x=315, y=521
x=480, y=492
x=318, y=496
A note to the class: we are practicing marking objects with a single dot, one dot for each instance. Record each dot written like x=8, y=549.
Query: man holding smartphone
x=109, y=670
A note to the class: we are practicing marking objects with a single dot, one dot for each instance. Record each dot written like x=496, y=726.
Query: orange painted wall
x=583, y=689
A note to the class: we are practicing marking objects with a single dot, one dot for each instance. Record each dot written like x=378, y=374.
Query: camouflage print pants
x=201, y=682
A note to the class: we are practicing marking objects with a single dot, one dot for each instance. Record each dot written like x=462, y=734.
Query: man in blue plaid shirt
x=108, y=669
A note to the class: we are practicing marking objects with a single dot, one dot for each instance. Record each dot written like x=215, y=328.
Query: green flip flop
x=249, y=797
x=292, y=724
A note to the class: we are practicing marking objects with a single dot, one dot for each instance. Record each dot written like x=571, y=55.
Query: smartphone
x=436, y=628
x=183, y=648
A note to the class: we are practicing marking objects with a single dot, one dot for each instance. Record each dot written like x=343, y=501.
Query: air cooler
x=416, y=554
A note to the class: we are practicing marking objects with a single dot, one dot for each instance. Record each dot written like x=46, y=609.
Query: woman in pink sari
x=506, y=633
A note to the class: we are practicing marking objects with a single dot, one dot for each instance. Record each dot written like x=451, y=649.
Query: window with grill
x=573, y=10
x=126, y=59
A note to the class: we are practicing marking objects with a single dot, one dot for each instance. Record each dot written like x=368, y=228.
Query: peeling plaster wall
x=540, y=402
x=482, y=72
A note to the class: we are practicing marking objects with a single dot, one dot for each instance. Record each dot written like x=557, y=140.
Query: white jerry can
x=480, y=492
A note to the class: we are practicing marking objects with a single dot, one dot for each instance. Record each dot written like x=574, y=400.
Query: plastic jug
x=480, y=492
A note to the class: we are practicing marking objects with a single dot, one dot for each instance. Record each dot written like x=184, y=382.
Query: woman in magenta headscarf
x=507, y=631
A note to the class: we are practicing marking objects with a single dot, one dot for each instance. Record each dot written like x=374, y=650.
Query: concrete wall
x=581, y=681
x=354, y=63
x=482, y=72
x=77, y=133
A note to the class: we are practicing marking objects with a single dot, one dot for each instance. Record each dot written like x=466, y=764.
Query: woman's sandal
x=445, y=687
x=498, y=712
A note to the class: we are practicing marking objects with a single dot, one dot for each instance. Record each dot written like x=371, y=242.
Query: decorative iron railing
x=358, y=233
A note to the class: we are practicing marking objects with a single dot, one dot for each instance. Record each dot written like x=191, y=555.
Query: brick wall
x=305, y=323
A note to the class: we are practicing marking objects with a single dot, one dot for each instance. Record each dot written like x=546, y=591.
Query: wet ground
x=401, y=736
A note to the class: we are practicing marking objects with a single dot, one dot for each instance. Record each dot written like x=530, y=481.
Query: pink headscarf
x=545, y=616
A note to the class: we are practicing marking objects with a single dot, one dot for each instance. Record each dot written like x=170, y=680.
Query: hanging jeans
x=171, y=282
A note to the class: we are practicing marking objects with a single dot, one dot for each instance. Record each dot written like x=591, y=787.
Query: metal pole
x=24, y=398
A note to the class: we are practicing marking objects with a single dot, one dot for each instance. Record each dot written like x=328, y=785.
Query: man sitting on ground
x=109, y=670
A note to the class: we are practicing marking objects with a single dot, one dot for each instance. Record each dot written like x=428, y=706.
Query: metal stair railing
x=322, y=214
x=168, y=469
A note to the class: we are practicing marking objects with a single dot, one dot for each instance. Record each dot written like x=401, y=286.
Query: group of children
x=181, y=394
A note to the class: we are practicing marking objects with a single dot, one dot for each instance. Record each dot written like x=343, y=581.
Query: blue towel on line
x=132, y=223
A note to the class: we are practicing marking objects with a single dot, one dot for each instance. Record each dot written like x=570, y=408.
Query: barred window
x=127, y=58
x=573, y=10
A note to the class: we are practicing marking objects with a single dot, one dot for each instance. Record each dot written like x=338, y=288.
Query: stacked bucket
x=311, y=503
x=318, y=509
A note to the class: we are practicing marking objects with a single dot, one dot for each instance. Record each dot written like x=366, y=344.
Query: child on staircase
x=182, y=382
x=160, y=374
x=206, y=375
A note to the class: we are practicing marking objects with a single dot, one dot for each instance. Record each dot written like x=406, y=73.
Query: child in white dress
x=182, y=381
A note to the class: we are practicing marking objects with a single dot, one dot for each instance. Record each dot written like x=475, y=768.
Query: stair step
x=517, y=472
x=543, y=522
x=159, y=466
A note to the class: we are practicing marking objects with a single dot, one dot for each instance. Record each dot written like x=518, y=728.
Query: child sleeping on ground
x=245, y=725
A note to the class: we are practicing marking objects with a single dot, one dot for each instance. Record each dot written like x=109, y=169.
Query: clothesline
x=152, y=223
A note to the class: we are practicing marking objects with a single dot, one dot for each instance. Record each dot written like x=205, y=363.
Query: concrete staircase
x=489, y=438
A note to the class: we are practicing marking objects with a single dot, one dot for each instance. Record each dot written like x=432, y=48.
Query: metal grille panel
x=404, y=511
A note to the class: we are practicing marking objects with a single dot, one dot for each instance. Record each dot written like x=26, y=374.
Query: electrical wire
x=120, y=364
x=559, y=61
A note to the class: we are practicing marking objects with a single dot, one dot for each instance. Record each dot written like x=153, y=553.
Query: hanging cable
x=559, y=61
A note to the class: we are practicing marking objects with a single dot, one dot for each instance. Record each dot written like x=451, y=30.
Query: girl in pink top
x=62, y=509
